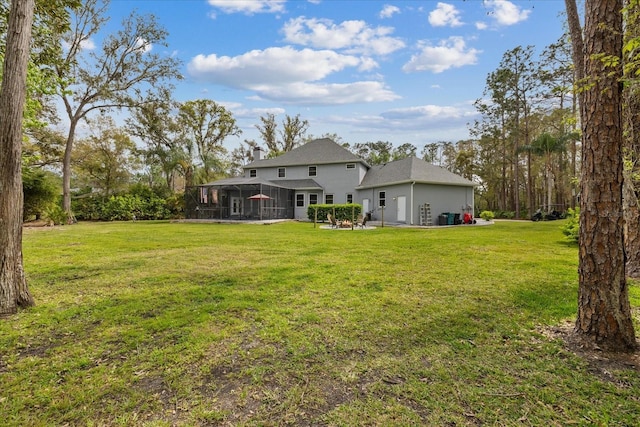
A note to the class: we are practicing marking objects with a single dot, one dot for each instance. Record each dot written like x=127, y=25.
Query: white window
x=351, y=165
x=313, y=199
x=282, y=172
x=313, y=171
x=328, y=199
x=300, y=200
x=253, y=173
x=349, y=198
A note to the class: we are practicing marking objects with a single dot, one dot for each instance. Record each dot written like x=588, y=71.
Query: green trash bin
x=450, y=217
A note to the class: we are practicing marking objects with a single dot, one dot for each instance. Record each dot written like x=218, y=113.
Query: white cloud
x=429, y=117
x=481, y=25
x=449, y=53
x=143, y=45
x=506, y=13
x=329, y=93
x=87, y=44
x=423, y=123
x=249, y=7
x=388, y=11
x=274, y=65
x=445, y=15
x=424, y=112
x=256, y=112
x=289, y=75
x=350, y=36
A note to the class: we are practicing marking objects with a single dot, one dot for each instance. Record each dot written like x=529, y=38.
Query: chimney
x=257, y=154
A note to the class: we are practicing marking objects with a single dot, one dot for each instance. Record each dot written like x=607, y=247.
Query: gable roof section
x=316, y=152
x=298, y=184
x=411, y=169
x=292, y=184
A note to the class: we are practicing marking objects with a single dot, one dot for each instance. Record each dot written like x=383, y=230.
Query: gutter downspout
x=411, y=202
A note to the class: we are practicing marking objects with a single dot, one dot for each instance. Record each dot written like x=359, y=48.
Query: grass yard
x=166, y=324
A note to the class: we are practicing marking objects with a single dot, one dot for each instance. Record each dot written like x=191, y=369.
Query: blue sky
x=397, y=71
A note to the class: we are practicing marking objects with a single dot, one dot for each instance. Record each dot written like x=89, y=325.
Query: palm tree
x=546, y=145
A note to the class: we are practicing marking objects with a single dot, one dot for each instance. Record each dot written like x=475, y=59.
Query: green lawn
x=165, y=324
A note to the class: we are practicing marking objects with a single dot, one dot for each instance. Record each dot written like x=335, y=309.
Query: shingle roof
x=295, y=184
x=239, y=180
x=408, y=170
x=298, y=184
x=318, y=151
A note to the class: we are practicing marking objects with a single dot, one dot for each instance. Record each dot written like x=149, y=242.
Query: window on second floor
x=253, y=173
x=313, y=171
x=282, y=172
x=351, y=166
x=382, y=198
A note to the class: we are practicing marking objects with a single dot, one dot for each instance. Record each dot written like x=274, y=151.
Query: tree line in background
x=524, y=152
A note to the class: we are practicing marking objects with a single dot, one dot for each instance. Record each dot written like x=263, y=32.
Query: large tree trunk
x=632, y=185
x=13, y=285
x=577, y=44
x=632, y=224
x=604, y=314
x=632, y=153
x=66, y=171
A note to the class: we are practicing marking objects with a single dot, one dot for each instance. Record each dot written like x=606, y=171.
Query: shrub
x=342, y=212
x=56, y=215
x=121, y=208
x=141, y=203
x=487, y=215
x=571, y=228
x=504, y=214
x=87, y=207
x=40, y=193
x=175, y=204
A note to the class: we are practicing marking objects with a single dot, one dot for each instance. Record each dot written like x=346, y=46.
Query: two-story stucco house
x=323, y=172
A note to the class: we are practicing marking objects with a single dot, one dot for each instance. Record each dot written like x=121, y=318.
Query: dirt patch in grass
x=601, y=363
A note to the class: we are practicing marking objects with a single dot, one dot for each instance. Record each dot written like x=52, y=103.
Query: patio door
x=236, y=206
x=402, y=209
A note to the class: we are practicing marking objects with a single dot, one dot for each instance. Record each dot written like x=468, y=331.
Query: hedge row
x=140, y=205
x=345, y=211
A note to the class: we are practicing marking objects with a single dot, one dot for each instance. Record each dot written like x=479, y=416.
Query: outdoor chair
x=363, y=223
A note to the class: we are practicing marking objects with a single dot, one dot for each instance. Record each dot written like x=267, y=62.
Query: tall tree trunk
x=14, y=292
x=632, y=153
x=530, y=201
x=632, y=185
x=575, y=30
x=66, y=171
x=604, y=313
x=516, y=180
x=632, y=223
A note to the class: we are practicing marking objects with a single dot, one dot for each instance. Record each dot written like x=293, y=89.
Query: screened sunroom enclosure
x=238, y=199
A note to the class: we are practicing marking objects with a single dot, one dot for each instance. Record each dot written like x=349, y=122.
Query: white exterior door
x=402, y=209
x=236, y=206
x=365, y=206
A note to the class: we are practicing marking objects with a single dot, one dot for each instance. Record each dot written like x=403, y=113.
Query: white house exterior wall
x=335, y=179
x=404, y=181
x=441, y=198
x=392, y=192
